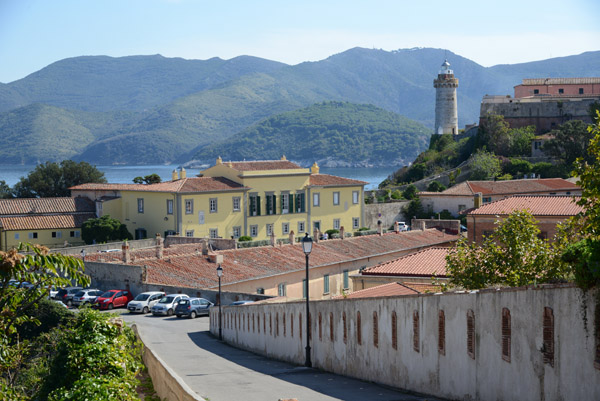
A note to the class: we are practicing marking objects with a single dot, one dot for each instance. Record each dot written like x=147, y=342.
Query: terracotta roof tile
x=41, y=222
x=536, y=205
x=28, y=206
x=516, y=187
x=324, y=180
x=263, y=165
x=427, y=263
x=185, y=185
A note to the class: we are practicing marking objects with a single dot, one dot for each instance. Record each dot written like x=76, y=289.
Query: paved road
x=219, y=372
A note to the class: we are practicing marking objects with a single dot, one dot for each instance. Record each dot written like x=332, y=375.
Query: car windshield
x=108, y=294
x=142, y=297
x=166, y=300
x=80, y=294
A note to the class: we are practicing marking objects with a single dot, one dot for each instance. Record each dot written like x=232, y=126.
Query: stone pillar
x=316, y=236
x=379, y=227
x=205, y=247
x=342, y=232
x=396, y=227
x=422, y=225
x=125, y=249
x=272, y=238
x=159, y=246
x=292, y=237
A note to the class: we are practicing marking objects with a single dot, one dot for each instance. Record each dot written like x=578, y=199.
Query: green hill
x=331, y=133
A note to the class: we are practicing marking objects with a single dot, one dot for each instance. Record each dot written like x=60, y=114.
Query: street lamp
x=307, y=244
x=220, y=273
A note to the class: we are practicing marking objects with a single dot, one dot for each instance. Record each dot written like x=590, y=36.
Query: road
x=219, y=372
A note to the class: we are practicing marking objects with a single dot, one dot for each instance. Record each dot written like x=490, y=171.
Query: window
x=214, y=233
x=237, y=232
x=461, y=207
x=285, y=203
x=581, y=91
x=271, y=204
x=301, y=227
x=237, y=203
x=316, y=199
x=355, y=197
x=548, y=337
x=254, y=205
x=317, y=225
x=346, y=280
x=442, y=332
x=355, y=223
x=260, y=290
x=336, y=198
x=269, y=229
x=281, y=290
x=56, y=234
x=561, y=91
x=213, y=205
x=471, y=334
x=326, y=284
x=536, y=91
x=300, y=203
x=285, y=228
x=304, y=288
x=201, y=217
x=17, y=235
x=33, y=235
x=189, y=206
x=254, y=231
x=487, y=199
x=416, y=334
x=169, y=206
x=336, y=224
x=506, y=334
x=140, y=203
x=189, y=233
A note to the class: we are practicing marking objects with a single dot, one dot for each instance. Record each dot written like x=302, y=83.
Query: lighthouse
x=446, y=111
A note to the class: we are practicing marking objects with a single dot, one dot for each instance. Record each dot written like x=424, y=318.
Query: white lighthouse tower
x=446, y=111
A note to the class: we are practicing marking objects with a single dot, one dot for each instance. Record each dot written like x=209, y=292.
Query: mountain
x=166, y=108
x=335, y=134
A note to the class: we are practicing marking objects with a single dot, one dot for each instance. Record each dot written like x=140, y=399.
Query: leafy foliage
x=148, y=179
x=104, y=229
x=435, y=186
x=484, y=166
x=570, y=142
x=415, y=209
x=5, y=191
x=410, y=192
x=54, y=179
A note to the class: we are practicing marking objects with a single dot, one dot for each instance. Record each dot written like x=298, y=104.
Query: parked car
x=145, y=301
x=20, y=284
x=166, y=305
x=113, y=299
x=61, y=295
x=402, y=226
x=87, y=296
x=241, y=302
x=193, y=307
x=52, y=291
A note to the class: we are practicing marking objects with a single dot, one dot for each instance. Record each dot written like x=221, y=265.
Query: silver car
x=87, y=296
x=145, y=301
x=166, y=306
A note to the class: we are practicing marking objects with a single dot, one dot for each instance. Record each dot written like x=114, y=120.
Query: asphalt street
x=219, y=372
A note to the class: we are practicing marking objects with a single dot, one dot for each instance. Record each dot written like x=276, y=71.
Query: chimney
x=204, y=247
x=174, y=175
x=125, y=249
x=159, y=246
x=477, y=200
x=316, y=236
x=396, y=227
x=422, y=225
x=314, y=169
x=215, y=258
x=183, y=173
x=342, y=232
x=292, y=237
x=379, y=227
x=272, y=238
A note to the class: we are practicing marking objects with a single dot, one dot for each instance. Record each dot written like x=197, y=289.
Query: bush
x=396, y=194
x=244, y=238
x=331, y=232
x=104, y=229
x=49, y=313
x=435, y=186
x=410, y=192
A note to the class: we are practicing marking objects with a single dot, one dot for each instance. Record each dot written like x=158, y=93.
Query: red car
x=113, y=299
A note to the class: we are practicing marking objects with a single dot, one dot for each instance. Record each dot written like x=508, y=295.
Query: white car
x=144, y=301
x=166, y=306
x=402, y=226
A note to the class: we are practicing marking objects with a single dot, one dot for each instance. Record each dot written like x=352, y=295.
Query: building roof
x=184, y=185
x=560, y=81
x=325, y=180
x=44, y=222
x=536, y=205
x=391, y=290
x=508, y=187
x=263, y=165
x=426, y=263
x=183, y=265
x=29, y=206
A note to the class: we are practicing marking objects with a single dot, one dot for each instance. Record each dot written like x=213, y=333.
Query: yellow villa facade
x=258, y=199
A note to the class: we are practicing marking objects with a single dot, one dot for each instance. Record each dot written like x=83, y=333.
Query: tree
x=55, y=179
x=104, y=229
x=484, y=166
x=415, y=209
x=520, y=141
x=494, y=135
x=435, y=186
x=517, y=167
x=410, y=192
x=148, y=179
x=512, y=255
x=569, y=143
x=5, y=191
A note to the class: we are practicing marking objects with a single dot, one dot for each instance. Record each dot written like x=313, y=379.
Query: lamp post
x=83, y=254
x=220, y=273
x=307, y=243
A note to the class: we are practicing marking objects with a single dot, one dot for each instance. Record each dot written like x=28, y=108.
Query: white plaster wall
x=453, y=375
x=449, y=203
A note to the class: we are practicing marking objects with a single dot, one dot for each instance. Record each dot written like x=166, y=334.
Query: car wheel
x=110, y=306
x=145, y=310
x=170, y=312
x=193, y=315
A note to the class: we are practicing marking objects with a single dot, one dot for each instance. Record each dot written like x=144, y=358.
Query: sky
x=35, y=33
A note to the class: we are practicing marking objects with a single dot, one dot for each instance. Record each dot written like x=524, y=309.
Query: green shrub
x=244, y=238
x=396, y=194
x=49, y=313
x=332, y=231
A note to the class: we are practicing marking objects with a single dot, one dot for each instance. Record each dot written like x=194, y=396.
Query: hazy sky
x=35, y=33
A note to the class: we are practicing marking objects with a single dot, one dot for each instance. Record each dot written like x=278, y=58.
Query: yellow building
x=53, y=222
x=259, y=199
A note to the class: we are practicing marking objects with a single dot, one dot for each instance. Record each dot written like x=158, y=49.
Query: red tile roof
x=536, y=205
x=28, y=206
x=263, y=165
x=185, y=185
x=391, y=290
x=425, y=263
x=182, y=266
x=516, y=187
x=325, y=180
x=42, y=222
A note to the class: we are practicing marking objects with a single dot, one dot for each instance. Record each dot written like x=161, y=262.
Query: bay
x=124, y=174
